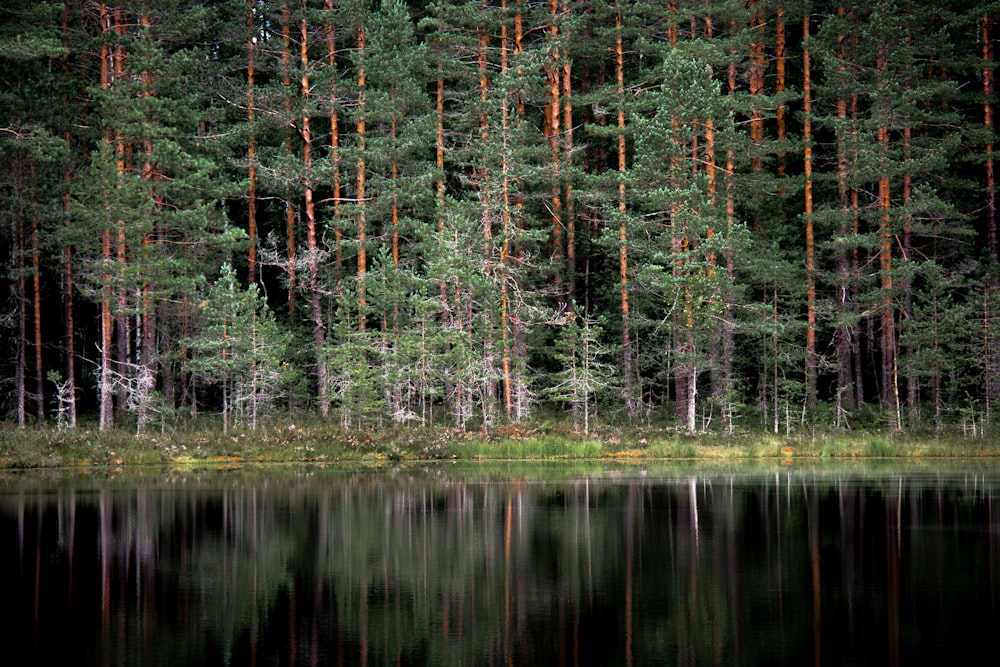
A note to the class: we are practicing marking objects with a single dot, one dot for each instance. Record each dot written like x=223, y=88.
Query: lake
x=457, y=564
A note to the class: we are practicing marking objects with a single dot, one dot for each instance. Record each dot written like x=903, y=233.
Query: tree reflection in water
x=490, y=565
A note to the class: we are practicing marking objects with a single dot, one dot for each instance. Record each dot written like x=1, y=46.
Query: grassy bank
x=37, y=447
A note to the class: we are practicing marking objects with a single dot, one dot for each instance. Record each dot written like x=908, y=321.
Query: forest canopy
x=714, y=214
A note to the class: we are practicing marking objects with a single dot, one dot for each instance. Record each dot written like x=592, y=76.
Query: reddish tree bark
x=567, y=147
x=630, y=403
x=251, y=149
x=331, y=59
x=315, y=293
x=811, y=362
x=845, y=399
x=890, y=392
x=781, y=131
x=988, y=86
x=123, y=162
x=758, y=65
x=552, y=129
x=106, y=414
x=360, y=194
x=286, y=80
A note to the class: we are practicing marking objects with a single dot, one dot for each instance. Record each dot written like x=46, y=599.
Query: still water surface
x=500, y=565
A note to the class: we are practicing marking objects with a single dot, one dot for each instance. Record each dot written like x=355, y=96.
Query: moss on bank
x=37, y=447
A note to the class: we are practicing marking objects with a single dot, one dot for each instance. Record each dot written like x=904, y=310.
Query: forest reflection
x=470, y=566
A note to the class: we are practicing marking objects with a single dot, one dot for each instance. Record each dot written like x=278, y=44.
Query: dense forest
x=715, y=214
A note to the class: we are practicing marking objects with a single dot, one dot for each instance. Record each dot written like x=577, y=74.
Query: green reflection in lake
x=476, y=565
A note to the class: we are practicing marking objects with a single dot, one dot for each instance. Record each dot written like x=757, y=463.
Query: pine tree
x=241, y=348
x=400, y=187
x=892, y=142
x=688, y=113
x=427, y=191
x=30, y=52
x=583, y=375
x=153, y=178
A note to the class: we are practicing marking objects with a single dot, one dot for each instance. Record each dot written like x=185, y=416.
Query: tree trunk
x=505, y=222
x=146, y=337
x=251, y=149
x=439, y=186
x=68, y=313
x=845, y=397
x=856, y=342
x=331, y=54
x=122, y=163
x=890, y=392
x=991, y=210
x=447, y=316
x=36, y=301
x=20, y=289
x=552, y=129
x=567, y=146
x=992, y=377
x=628, y=380
x=106, y=415
x=779, y=87
x=483, y=65
x=775, y=345
x=721, y=365
x=672, y=30
x=811, y=363
x=518, y=343
x=315, y=293
x=906, y=313
x=286, y=80
x=360, y=194
x=758, y=65
x=67, y=273
x=729, y=330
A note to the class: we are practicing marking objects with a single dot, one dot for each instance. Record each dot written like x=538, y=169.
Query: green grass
x=326, y=441
x=544, y=448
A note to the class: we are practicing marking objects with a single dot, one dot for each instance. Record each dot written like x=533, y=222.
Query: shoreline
x=321, y=442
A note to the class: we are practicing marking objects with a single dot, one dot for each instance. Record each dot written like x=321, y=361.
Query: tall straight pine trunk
x=67, y=253
x=362, y=233
x=757, y=70
x=567, y=148
x=988, y=89
x=845, y=396
x=505, y=224
x=906, y=283
x=146, y=337
x=807, y=158
x=286, y=80
x=331, y=60
x=123, y=154
x=552, y=130
x=627, y=378
x=20, y=289
x=105, y=391
x=315, y=292
x=251, y=147
x=890, y=389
